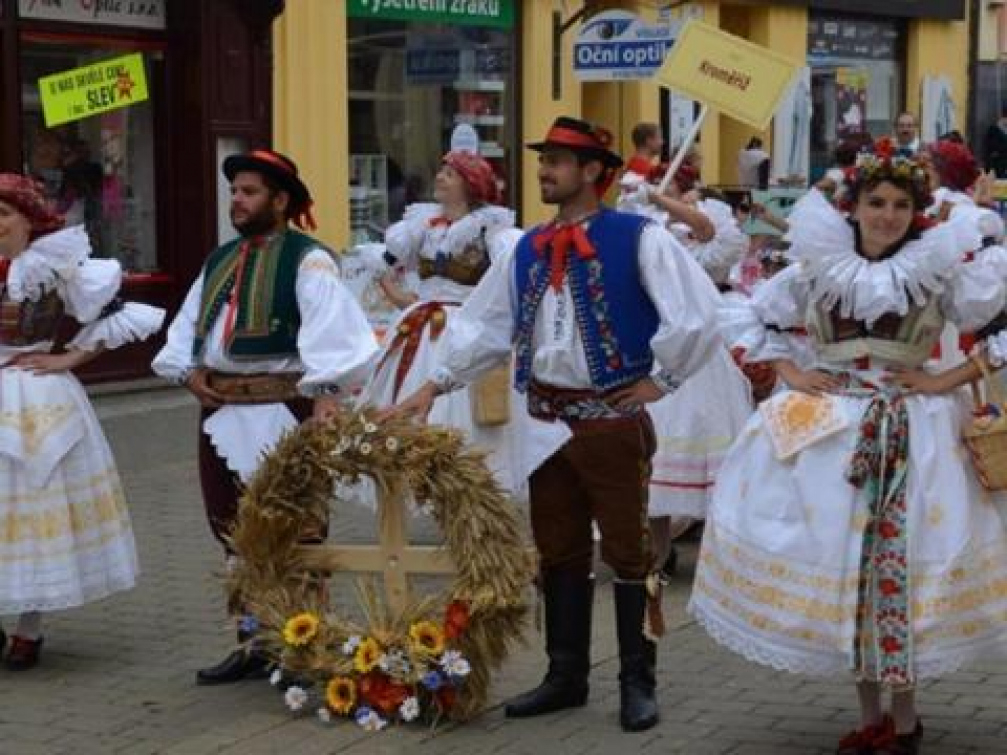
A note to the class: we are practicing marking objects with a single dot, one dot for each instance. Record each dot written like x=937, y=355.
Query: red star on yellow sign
x=124, y=85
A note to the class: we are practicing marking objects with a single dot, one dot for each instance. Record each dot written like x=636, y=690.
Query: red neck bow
x=559, y=239
x=439, y=220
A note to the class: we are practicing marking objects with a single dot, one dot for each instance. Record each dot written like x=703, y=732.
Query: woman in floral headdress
x=448, y=246
x=65, y=535
x=848, y=532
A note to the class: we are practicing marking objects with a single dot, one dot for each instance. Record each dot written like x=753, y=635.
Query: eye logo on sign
x=606, y=29
x=617, y=45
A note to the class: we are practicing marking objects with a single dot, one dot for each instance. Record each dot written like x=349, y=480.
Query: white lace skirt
x=777, y=578
x=65, y=533
x=695, y=427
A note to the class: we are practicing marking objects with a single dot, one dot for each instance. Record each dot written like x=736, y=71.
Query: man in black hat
x=267, y=337
x=588, y=302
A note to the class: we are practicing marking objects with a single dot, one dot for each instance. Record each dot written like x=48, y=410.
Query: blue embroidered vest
x=615, y=314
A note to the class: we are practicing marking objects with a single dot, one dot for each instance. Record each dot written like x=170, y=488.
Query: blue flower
x=432, y=680
x=248, y=624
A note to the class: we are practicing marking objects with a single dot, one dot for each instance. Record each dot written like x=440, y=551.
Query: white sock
x=904, y=710
x=29, y=625
x=870, y=703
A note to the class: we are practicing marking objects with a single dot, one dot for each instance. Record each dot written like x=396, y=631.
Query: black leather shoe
x=568, y=602
x=637, y=656
x=240, y=664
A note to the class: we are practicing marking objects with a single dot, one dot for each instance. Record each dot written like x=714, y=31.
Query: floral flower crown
x=884, y=165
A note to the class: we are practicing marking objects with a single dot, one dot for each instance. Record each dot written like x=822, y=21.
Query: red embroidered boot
x=23, y=653
x=865, y=740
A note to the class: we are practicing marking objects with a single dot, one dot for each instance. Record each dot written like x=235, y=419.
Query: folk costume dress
x=696, y=425
x=65, y=533
x=976, y=222
x=294, y=319
x=849, y=533
x=448, y=259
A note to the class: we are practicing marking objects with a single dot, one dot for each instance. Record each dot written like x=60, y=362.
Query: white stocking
x=870, y=703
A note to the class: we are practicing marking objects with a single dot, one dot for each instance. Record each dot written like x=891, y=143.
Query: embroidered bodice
x=28, y=322
x=449, y=258
x=906, y=339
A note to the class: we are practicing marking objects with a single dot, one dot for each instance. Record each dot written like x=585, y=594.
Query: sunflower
x=341, y=695
x=427, y=638
x=367, y=655
x=300, y=629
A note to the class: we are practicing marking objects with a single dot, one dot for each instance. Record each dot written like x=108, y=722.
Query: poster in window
x=851, y=97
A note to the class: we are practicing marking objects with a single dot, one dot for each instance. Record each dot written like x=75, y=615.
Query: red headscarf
x=955, y=164
x=478, y=175
x=685, y=178
x=25, y=194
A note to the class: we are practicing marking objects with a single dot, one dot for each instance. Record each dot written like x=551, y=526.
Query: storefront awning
x=945, y=9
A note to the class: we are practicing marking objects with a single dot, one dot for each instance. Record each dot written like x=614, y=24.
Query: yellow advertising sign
x=741, y=79
x=93, y=89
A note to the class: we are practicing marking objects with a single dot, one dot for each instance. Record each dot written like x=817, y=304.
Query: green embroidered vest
x=268, y=319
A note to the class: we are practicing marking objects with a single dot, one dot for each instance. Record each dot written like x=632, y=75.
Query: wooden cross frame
x=393, y=557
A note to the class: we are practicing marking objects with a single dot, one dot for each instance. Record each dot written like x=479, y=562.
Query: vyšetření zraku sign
x=742, y=80
x=93, y=89
x=494, y=13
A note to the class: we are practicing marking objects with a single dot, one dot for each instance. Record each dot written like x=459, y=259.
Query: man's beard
x=558, y=195
x=256, y=224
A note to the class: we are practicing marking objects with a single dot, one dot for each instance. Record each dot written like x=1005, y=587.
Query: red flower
x=888, y=530
x=884, y=148
x=445, y=697
x=889, y=587
x=380, y=692
x=891, y=644
x=456, y=619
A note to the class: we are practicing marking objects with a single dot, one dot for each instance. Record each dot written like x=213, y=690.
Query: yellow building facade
x=323, y=53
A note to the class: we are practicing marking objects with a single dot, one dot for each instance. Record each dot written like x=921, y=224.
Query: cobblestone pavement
x=117, y=677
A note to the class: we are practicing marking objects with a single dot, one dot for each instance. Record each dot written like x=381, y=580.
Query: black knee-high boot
x=637, y=658
x=568, y=603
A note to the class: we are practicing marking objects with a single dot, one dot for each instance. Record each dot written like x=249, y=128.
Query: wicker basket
x=490, y=397
x=987, y=439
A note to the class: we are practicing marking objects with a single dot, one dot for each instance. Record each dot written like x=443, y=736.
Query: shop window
x=410, y=86
x=857, y=80
x=99, y=171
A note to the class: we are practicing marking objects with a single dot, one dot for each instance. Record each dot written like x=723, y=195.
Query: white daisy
x=454, y=664
x=351, y=644
x=410, y=709
x=295, y=697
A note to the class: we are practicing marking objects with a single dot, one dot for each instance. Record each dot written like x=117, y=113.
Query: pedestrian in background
x=753, y=165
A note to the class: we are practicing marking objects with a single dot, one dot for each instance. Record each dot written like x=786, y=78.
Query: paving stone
x=117, y=677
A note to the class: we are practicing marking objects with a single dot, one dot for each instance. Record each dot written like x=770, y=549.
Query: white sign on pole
x=617, y=45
